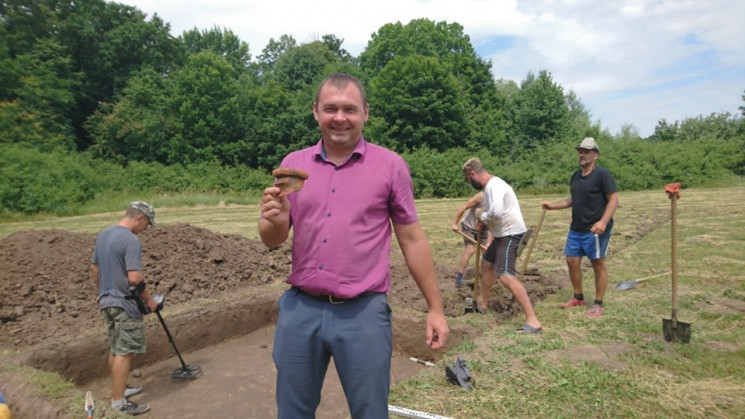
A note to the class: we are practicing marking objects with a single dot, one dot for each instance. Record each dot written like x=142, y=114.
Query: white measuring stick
x=420, y=361
x=408, y=413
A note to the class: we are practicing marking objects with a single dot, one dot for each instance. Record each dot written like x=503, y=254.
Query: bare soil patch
x=217, y=287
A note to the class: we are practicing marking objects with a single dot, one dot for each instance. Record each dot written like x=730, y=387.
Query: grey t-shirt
x=117, y=251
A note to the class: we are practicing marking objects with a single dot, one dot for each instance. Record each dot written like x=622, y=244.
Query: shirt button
x=333, y=190
x=320, y=267
x=325, y=240
x=328, y=214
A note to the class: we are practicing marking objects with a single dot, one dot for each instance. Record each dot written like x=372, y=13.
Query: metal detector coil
x=185, y=372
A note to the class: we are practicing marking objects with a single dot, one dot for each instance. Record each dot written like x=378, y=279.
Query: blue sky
x=629, y=62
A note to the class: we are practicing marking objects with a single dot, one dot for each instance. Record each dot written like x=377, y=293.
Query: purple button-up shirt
x=341, y=219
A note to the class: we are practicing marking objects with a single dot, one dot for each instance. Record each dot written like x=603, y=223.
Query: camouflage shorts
x=126, y=334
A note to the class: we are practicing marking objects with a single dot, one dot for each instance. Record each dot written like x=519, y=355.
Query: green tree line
x=98, y=100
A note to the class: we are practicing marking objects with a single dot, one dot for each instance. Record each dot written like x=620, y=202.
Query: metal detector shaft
x=170, y=339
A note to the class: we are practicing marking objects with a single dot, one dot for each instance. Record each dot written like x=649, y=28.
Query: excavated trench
x=221, y=294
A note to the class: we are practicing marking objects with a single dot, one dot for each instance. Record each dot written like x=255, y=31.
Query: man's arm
x=610, y=209
x=472, y=202
x=567, y=203
x=418, y=256
x=274, y=225
x=134, y=278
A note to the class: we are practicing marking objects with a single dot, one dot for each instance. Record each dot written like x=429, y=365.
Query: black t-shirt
x=590, y=197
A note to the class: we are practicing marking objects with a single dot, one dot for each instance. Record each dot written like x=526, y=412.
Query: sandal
x=573, y=303
x=595, y=311
x=526, y=328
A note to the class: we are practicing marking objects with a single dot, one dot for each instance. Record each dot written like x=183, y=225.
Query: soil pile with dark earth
x=46, y=290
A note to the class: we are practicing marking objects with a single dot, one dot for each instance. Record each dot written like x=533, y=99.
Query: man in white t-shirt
x=501, y=213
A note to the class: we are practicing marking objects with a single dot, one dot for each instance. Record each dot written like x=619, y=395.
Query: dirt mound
x=46, y=289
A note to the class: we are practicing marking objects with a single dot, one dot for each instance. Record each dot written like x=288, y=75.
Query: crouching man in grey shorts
x=115, y=265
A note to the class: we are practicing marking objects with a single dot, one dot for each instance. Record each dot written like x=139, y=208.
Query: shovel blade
x=675, y=330
x=626, y=285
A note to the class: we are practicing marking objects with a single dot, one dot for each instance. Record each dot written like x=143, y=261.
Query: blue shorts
x=593, y=246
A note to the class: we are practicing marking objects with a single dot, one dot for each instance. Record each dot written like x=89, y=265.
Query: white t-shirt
x=502, y=213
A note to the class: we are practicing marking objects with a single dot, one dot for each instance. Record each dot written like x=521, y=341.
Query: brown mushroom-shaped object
x=289, y=180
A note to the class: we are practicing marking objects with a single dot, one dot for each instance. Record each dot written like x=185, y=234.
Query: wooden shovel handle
x=673, y=193
x=477, y=268
x=674, y=251
x=530, y=248
x=469, y=238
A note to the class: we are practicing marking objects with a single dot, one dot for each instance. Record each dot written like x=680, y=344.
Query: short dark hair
x=340, y=81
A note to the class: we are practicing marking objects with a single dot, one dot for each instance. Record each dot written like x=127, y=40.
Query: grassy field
x=616, y=365
x=619, y=364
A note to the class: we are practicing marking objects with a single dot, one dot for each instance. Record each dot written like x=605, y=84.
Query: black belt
x=334, y=300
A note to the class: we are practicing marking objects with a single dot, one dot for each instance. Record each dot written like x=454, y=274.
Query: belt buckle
x=334, y=300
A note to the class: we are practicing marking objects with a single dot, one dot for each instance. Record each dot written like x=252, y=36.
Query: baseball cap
x=588, y=143
x=146, y=209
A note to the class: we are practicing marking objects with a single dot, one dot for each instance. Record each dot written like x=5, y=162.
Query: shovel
x=477, y=269
x=627, y=285
x=673, y=329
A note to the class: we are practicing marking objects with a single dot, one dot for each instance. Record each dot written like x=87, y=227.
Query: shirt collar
x=359, y=150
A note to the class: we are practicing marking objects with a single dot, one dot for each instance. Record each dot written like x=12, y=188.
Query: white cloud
x=634, y=61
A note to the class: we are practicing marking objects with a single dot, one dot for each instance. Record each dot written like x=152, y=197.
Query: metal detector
x=186, y=371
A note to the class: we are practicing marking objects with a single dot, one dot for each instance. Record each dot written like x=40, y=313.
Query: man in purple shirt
x=341, y=219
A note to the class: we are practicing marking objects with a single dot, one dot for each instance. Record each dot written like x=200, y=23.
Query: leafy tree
x=628, y=132
x=580, y=124
x=272, y=51
x=303, y=65
x=540, y=112
x=222, y=42
x=334, y=45
x=277, y=121
x=204, y=110
x=508, y=89
x=107, y=42
x=441, y=40
x=721, y=126
x=664, y=131
x=483, y=116
x=37, y=110
x=24, y=22
x=420, y=102
x=135, y=127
